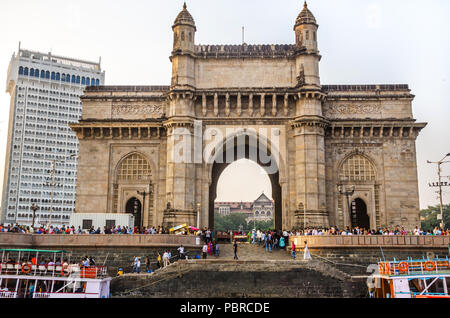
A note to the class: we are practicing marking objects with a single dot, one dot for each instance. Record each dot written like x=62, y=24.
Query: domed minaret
x=181, y=172
x=309, y=124
x=184, y=31
x=307, y=61
x=306, y=30
x=183, y=50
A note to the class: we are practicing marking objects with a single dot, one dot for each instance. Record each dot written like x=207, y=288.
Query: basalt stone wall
x=211, y=280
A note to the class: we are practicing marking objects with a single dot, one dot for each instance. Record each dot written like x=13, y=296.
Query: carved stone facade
x=319, y=137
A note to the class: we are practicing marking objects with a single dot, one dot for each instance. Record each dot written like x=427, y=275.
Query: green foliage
x=234, y=220
x=429, y=219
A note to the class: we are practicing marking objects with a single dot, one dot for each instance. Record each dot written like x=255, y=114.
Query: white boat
x=25, y=274
x=412, y=278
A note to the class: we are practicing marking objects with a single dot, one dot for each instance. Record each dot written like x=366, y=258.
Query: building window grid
x=134, y=167
x=357, y=168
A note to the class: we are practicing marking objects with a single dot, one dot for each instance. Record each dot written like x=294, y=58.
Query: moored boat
x=411, y=278
x=30, y=273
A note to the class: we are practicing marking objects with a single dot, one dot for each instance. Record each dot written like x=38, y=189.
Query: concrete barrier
x=15, y=240
x=371, y=241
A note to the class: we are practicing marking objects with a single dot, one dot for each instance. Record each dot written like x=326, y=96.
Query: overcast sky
x=361, y=42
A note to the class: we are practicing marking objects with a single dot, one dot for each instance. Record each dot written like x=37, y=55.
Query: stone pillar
x=309, y=133
x=181, y=172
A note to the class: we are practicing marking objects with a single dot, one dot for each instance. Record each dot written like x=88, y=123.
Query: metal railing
x=415, y=267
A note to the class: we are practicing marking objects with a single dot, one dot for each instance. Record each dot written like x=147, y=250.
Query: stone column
x=309, y=132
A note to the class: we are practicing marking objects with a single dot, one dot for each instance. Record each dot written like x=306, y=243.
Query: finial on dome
x=305, y=16
x=184, y=17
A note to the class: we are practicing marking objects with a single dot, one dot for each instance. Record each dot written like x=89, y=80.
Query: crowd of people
x=16, y=228
x=361, y=231
x=207, y=234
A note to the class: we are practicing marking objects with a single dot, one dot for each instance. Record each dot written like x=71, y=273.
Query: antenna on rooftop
x=243, y=35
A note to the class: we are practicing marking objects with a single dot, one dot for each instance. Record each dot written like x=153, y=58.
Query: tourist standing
x=306, y=254
x=166, y=260
x=293, y=250
x=159, y=260
x=217, y=248
x=205, y=251
x=282, y=244
x=181, y=252
x=235, y=245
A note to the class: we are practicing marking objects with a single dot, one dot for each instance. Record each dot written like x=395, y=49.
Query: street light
x=439, y=163
x=144, y=194
x=34, y=208
x=302, y=206
x=348, y=193
x=198, y=215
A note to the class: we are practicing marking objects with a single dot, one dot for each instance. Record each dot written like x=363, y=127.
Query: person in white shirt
x=205, y=251
x=181, y=252
x=306, y=254
x=166, y=260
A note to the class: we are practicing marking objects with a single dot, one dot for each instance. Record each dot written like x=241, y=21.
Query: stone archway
x=133, y=177
x=359, y=216
x=134, y=207
x=222, y=161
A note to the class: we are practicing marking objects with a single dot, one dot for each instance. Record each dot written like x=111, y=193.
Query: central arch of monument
x=250, y=146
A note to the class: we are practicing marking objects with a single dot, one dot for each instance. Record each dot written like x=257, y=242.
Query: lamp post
x=348, y=193
x=198, y=215
x=302, y=206
x=439, y=163
x=144, y=194
x=34, y=208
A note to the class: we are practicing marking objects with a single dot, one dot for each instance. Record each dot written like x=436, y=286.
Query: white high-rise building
x=41, y=155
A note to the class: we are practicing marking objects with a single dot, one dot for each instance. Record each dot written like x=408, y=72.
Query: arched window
x=32, y=72
x=88, y=81
x=97, y=82
x=58, y=76
x=25, y=71
x=42, y=74
x=73, y=78
x=36, y=73
x=53, y=76
x=63, y=77
x=257, y=213
x=78, y=79
x=68, y=78
x=47, y=75
x=134, y=168
x=21, y=70
x=83, y=80
x=357, y=168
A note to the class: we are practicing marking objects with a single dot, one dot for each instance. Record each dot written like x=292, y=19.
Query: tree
x=235, y=221
x=429, y=219
x=230, y=222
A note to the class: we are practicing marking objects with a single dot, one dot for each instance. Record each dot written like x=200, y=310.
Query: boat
x=31, y=273
x=411, y=278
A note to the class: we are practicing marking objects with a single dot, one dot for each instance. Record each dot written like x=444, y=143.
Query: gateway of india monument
x=336, y=155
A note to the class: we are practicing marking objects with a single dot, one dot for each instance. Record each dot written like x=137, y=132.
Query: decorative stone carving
x=155, y=110
x=301, y=77
x=336, y=110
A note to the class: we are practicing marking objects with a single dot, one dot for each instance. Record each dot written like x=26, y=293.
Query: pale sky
x=361, y=42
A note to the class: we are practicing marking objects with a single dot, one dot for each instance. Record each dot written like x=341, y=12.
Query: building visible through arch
x=267, y=98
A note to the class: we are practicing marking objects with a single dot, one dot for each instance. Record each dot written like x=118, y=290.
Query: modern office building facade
x=41, y=155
